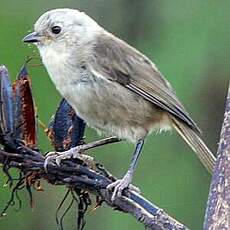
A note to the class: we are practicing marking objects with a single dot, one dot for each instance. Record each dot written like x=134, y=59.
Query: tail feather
x=195, y=142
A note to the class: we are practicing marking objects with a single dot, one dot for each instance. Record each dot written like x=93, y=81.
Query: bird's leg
x=77, y=152
x=119, y=185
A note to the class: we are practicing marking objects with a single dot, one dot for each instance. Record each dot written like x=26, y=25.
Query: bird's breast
x=112, y=109
x=56, y=64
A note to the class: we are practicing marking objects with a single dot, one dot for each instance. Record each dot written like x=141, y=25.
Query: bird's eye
x=56, y=29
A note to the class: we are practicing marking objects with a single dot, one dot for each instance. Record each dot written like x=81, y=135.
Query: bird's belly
x=112, y=109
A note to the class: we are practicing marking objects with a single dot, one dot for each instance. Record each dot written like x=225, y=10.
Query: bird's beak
x=32, y=38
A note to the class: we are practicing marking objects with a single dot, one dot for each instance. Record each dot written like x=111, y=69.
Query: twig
x=218, y=208
x=101, y=142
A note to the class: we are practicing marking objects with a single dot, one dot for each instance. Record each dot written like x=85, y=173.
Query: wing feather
x=115, y=60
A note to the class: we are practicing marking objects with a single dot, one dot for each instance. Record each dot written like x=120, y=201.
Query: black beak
x=32, y=38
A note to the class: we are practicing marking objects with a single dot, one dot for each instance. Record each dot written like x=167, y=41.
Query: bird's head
x=61, y=27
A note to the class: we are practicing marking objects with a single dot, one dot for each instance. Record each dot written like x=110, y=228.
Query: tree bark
x=218, y=208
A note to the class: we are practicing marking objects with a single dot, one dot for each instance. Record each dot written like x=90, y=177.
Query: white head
x=60, y=26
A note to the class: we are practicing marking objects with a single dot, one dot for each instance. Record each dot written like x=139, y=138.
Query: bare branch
x=76, y=175
x=218, y=208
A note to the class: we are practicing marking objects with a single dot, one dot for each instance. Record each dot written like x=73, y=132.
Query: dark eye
x=56, y=29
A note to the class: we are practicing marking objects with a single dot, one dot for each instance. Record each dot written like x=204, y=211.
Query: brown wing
x=115, y=60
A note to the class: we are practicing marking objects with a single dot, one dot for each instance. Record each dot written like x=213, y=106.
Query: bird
x=112, y=86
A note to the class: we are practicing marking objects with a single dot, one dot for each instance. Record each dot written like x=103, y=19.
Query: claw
x=119, y=185
x=66, y=155
x=57, y=157
x=134, y=188
x=49, y=158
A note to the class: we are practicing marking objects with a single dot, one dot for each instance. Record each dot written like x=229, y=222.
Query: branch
x=218, y=208
x=84, y=178
x=76, y=175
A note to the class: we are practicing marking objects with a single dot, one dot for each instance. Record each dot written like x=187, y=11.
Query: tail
x=195, y=142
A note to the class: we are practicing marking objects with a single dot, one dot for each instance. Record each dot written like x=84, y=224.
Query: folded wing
x=115, y=60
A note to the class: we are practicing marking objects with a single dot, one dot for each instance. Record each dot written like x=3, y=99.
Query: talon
x=49, y=158
x=62, y=157
x=122, y=184
x=58, y=161
x=51, y=154
x=134, y=189
x=118, y=186
x=59, y=156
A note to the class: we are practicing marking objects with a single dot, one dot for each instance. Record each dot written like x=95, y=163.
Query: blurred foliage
x=189, y=42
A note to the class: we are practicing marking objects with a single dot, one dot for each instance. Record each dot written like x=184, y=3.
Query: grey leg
x=123, y=183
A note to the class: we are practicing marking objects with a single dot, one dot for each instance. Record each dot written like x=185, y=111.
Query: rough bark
x=218, y=208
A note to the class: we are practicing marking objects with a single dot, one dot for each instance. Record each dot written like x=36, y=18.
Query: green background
x=190, y=43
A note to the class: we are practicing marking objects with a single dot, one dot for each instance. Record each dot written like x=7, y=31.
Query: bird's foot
x=57, y=157
x=119, y=185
